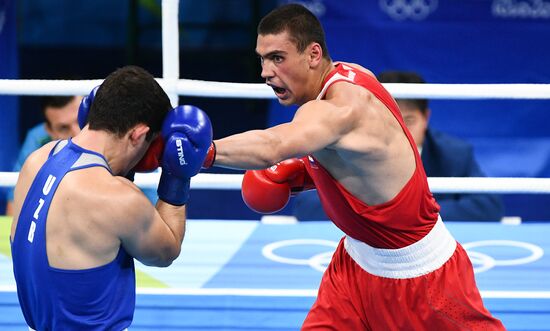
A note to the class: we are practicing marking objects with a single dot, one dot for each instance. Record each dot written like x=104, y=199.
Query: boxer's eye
x=277, y=59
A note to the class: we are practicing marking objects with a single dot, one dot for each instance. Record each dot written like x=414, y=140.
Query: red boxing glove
x=293, y=172
x=210, y=156
x=268, y=191
x=151, y=160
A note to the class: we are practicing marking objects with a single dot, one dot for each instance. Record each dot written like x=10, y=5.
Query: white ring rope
x=170, y=47
x=502, y=185
x=244, y=90
x=200, y=88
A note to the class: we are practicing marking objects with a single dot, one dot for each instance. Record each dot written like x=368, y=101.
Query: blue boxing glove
x=187, y=134
x=84, y=108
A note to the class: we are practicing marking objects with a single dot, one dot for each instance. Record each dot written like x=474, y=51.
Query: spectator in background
x=60, y=115
x=442, y=156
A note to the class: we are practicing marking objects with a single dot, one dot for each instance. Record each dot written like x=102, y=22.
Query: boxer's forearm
x=256, y=149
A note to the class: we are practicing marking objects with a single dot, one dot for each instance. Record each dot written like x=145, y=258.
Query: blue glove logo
x=179, y=147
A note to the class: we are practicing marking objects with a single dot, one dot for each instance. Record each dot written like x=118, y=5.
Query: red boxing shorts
x=428, y=285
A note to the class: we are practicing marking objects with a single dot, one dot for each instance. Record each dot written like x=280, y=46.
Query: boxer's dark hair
x=303, y=27
x=127, y=97
x=405, y=77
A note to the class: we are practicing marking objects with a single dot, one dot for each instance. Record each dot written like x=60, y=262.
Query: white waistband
x=420, y=258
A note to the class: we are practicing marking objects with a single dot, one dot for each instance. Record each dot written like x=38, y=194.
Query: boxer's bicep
x=145, y=236
x=316, y=125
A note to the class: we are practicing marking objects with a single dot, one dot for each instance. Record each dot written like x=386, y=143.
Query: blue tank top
x=100, y=298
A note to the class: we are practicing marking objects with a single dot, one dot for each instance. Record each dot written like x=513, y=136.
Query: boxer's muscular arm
x=151, y=235
x=316, y=125
x=156, y=237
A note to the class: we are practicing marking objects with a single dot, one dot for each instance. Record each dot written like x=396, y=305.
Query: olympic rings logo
x=481, y=261
x=403, y=9
x=318, y=262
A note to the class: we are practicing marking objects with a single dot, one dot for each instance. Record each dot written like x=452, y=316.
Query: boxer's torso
x=378, y=194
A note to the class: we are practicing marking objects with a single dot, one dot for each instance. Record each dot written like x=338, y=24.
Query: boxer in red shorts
x=398, y=267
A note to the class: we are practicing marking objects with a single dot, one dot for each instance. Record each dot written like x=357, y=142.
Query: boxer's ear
x=138, y=133
x=315, y=54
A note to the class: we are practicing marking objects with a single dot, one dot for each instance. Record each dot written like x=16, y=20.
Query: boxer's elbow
x=164, y=263
x=164, y=256
x=169, y=255
x=159, y=263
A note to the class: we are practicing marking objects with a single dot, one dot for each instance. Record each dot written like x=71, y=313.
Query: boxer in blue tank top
x=78, y=223
x=106, y=294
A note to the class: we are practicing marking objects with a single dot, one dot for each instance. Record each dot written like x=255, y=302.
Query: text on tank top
x=98, y=298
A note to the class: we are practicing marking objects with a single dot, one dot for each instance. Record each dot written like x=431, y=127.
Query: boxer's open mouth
x=279, y=91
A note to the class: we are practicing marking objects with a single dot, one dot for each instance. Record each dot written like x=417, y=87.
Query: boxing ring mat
x=248, y=275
